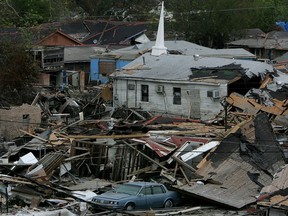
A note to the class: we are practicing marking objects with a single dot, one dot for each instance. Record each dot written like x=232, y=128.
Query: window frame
x=144, y=93
x=177, y=96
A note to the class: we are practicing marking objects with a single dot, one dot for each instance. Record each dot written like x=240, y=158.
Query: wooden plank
x=126, y=136
x=72, y=124
x=35, y=99
x=178, y=160
x=37, y=137
x=137, y=114
x=170, y=177
x=144, y=155
x=77, y=156
x=145, y=169
x=184, y=174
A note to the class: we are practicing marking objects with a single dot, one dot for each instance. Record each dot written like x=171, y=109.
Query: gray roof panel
x=178, y=67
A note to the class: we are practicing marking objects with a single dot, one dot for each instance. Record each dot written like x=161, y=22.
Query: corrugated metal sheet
x=164, y=145
x=271, y=40
x=178, y=67
x=79, y=53
x=184, y=47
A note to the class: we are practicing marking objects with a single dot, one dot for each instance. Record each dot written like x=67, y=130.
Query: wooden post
x=160, y=165
x=82, y=81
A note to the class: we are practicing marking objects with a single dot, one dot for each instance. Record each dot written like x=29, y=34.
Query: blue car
x=138, y=195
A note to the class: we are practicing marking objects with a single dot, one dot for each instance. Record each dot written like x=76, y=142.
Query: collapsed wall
x=25, y=117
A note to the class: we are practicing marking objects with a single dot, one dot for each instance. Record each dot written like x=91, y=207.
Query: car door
x=157, y=197
x=143, y=198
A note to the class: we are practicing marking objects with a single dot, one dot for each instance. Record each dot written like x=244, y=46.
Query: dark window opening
x=145, y=93
x=177, y=96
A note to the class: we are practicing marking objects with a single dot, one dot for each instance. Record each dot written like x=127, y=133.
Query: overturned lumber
x=144, y=170
x=170, y=178
x=77, y=156
x=37, y=137
x=178, y=160
x=144, y=155
x=127, y=136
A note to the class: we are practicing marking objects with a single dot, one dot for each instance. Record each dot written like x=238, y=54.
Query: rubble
x=80, y=148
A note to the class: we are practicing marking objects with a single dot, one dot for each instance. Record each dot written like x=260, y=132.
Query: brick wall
x=25, y=117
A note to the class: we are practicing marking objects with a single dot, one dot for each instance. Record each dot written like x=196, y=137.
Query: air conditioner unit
x=160, y=89
x=216, y=94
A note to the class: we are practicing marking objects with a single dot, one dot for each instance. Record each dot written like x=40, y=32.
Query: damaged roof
x=178, y=67
x=271, y=40
x=235, y=172
x=113, y=33
x=79, y=53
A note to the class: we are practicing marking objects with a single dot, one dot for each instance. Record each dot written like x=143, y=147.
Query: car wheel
x=130, y=207
x=168, y=204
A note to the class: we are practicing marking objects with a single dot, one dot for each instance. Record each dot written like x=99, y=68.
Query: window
x=26, y=119
x=158, y=190
x=146, y=191
x=177, y=96
x=128, y=189
x=145, y=93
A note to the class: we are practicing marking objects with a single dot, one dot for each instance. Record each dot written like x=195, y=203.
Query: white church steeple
x=159, y=47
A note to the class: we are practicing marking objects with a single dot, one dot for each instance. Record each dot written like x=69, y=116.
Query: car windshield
x=128, y=189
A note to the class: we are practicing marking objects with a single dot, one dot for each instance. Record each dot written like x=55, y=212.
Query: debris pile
x=234, y=160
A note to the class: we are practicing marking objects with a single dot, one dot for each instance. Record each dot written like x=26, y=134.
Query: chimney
x=159, y=47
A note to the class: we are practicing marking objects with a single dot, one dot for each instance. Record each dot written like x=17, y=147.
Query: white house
x=184, y=85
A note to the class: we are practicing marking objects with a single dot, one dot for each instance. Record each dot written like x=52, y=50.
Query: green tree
x=17, y=71
x=30, y=12
x=95, y=7
x=211, y=23
x=27, y=13
x=118, y=9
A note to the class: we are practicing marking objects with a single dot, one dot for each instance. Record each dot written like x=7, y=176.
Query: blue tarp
x=283, y=25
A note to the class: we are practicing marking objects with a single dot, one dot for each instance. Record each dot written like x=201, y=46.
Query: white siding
x=194, y=100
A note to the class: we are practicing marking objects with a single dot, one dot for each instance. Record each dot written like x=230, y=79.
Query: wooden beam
x=126, y=136
x=184, y=174
x=77, y=156
x=35, y=99
x=147, y=157
x=94, y=143
x=145, y=169
x=178, y=160
x=74, y=123
x=37, y=137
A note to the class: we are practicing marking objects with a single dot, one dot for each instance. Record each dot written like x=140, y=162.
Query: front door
x=131, y=94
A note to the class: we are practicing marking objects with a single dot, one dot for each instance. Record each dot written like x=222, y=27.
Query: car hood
x=112, y=195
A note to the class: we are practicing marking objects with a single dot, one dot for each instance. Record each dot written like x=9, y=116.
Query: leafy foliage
x=211, y=23
x=17, y=71
x=27, y=13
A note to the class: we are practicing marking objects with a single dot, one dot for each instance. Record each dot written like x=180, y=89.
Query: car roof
x=143, y=183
